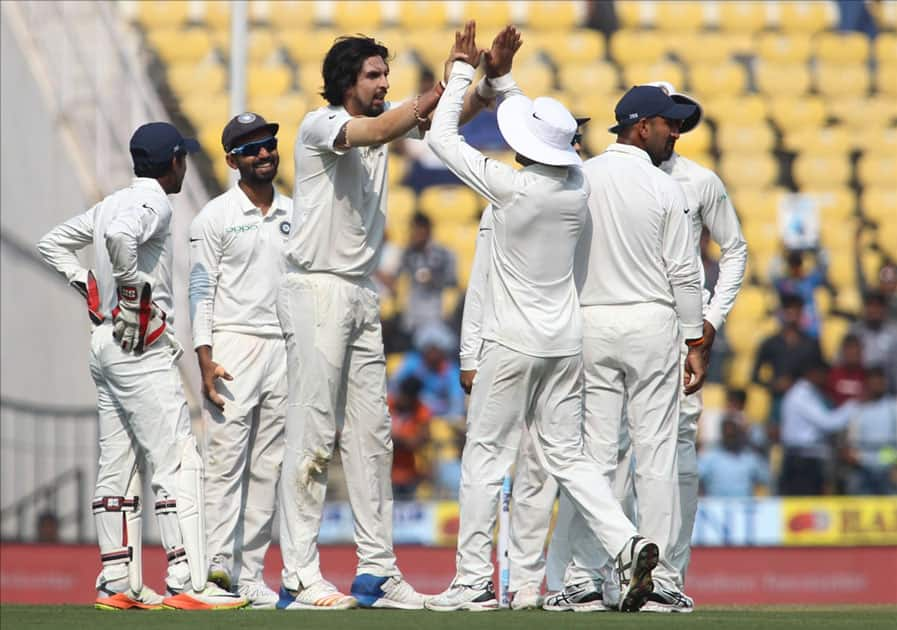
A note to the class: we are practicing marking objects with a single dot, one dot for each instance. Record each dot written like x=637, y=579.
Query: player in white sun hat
x=529, y=367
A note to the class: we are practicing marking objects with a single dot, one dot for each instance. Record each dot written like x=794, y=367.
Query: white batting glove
x=85, y=283
x=138, y=321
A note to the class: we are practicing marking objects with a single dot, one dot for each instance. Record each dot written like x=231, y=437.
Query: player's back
x=533, y=307
x=621, y=260
x=142, y=211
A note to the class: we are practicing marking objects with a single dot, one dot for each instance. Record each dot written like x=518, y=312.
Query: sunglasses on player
x=252, y=149
x=577, y=139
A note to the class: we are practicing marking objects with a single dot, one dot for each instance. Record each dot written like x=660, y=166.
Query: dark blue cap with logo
x=156, y=143
x=647, y=101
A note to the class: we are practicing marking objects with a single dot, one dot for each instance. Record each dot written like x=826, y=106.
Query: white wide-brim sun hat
x=541, y=130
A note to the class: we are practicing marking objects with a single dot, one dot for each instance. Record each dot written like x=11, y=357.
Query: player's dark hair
x=343, y=63
x=154, y=170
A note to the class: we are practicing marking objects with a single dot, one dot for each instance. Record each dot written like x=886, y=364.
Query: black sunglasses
x=252, y=148
x=577, y=139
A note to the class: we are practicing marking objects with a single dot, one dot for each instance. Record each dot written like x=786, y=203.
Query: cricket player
x=640, y=291
x=140, y=399
x=712, y=209
x=534, y=490
x=236, y=252
x=329, y=311
x=530, y=363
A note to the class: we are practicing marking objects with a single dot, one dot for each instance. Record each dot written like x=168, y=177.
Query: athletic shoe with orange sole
x=212, y=597
x=147, y=599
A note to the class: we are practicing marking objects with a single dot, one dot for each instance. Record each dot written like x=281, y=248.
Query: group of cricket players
x=585, y=336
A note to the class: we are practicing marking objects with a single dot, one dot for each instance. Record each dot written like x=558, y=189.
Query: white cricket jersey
x=539, y=212
x=139, y=216
x=711, y=207
x=236, y=264
x=340, y=199
x=640, y=248
x=472, y=319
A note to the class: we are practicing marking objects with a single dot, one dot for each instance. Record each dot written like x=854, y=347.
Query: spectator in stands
x=410, y=432
x=808, y=422
x=47, y=527
x=872, y=440
x=440, y=374
x=878, y=336
x=847, y=376
x=710, y=426
x=784, y=352
x=887, y=276
x=794, y=280
x=731, y=469
x=431, y=268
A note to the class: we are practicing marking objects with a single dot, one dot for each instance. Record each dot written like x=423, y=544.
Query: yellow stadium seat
x=737, y=138
x=401, y=204
x=887, y=237
x=680, y=17
x=637, y=74
x=834, y=140
x=209, y=136
x=636, y=47
x=877, y=169
x=310, y=79
x=287, y=109
x=793, y=112
x=456, y=236
x=841, y=48
x=836, y=238
x=181, y=45
x=353, y=16
x=748, y=109
x=758, y=170
x=216, y=14
x=886, y=47
x=551, y=16
x=596, y=136
x=780, y=80
x=695, y=143
x=398, y=168
x=456, y=204
x=633, y=14
x=714, y=396
x=489, y=16
x=742, y=16
x=879, y=203
x=262, y=46
x=757, y=205
x=836, y=204
x=701, y=48
x=307, y=46
x=424, y=15
x=818, y=171
x=199, y=107
x=886, y=79
x=840, y=80
x=154, y=15
x=578, y=46
x=832, y=335
x=787, y=48
x=758, y=404
x=598, y=77
x=274, y=80
x=806, y=17
x=535, y=79
x=725, y=79
x=877, y=111
x=187, y=78
x=744, y=335
x=290, y=14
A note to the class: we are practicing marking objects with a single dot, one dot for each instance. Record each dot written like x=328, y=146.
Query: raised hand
x=465, y=47
x=498, y=59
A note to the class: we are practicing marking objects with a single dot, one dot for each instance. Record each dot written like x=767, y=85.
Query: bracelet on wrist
x=694, y=343
x=417, y=115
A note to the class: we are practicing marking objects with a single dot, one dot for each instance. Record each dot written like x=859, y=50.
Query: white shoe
x=258, y=594
x=663, y=600
x=212, y=597
x=219, y=573
x=580, y=597
x=146, y=599
x=610, y=591
x=530, y=596
x=463, y=597
x=633, y=567
x=322, y=595
x=377, y=591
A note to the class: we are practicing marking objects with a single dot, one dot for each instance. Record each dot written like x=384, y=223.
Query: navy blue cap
x=647, y=101
x=156, y=143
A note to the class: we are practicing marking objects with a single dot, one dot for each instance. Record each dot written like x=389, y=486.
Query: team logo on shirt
x=285, y=228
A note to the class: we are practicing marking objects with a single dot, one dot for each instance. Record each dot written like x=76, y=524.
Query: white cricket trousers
x=244, y=451
x=533, y=494
x=336, y=373
x=631, y=355
x=142, y=412
x=513, y=392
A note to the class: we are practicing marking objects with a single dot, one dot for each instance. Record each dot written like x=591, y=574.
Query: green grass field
x=76, y=617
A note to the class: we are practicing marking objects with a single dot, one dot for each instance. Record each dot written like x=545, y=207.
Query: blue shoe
x=376, y=591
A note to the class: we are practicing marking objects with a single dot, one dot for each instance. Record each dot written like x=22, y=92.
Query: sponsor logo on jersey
x=239, y=229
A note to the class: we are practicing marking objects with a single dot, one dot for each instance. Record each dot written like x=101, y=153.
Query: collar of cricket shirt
x=148, y=183
x=247, y=207
x=631, y=150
